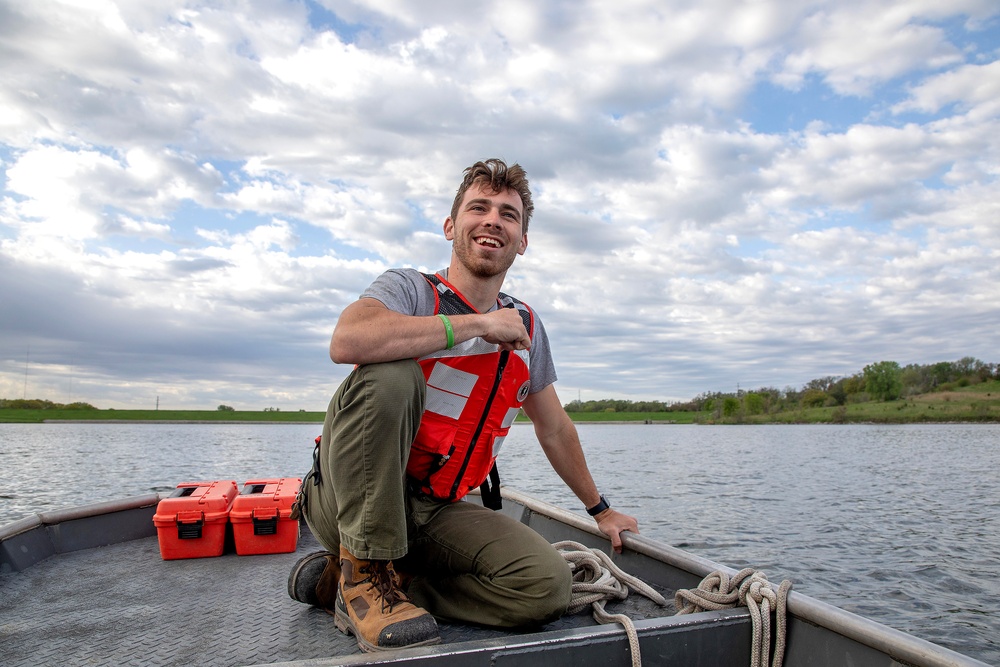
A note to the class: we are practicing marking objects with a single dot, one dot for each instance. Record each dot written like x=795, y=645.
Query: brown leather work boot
x=372, y=606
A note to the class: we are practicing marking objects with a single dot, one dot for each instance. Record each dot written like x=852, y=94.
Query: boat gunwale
x=55, y=517
x=506, y=646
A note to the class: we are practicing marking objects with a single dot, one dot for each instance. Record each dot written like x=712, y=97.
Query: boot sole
x=344, y=623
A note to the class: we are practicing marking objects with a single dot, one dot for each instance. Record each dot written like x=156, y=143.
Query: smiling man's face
x=487, y=234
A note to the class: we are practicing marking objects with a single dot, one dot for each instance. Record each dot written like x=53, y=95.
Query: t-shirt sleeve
x=404, y=291
x=543, y=369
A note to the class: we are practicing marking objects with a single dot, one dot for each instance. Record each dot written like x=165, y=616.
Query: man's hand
x=612, y=523
x=504, y=327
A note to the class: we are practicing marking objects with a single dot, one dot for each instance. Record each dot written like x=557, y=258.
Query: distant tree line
x=40, y=404
x=881, y=381
x=614, y=405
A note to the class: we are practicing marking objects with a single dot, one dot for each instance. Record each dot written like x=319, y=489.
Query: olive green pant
x=469, y=563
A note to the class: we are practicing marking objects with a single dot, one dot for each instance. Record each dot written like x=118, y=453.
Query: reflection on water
x=897, y=523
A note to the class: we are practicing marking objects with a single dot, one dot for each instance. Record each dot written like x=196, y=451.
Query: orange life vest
x=474, y=392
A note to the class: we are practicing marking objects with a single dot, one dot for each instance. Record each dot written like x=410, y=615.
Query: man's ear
x=449, y=229
x=524, y=244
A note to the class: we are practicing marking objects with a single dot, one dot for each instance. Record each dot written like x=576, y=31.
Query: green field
x=8, y=415
x=975, y=403
x=651, y=417
x=55, y=414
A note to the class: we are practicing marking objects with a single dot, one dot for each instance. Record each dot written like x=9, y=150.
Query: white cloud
x=894, y=40
x=970, y=86
x=69, y=195
x=202, y=187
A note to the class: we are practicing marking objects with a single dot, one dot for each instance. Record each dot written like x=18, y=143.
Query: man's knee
x=551, y=591
x=401, y=371
x=388, y=390
x=535, y=590
x=396, y=382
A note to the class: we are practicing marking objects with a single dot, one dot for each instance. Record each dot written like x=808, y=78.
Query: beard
x=483, y=267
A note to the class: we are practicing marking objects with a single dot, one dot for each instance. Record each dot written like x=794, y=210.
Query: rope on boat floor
x=748, y=588
x=596, y=579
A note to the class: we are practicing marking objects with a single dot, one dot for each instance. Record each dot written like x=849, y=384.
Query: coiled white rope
x=596, y=579
x=748, y=587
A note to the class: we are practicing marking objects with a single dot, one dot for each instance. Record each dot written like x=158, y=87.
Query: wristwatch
x=599, y=507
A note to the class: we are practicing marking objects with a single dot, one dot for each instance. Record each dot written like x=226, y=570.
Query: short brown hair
x=499, y=177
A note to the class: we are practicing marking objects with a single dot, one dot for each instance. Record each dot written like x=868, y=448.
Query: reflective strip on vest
x=448, y=390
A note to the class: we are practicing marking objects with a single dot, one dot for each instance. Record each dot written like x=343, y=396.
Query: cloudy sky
x=727, y=193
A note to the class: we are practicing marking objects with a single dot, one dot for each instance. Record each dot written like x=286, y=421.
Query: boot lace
x=384, y=580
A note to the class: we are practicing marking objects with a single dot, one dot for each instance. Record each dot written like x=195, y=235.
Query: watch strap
x=599, y=507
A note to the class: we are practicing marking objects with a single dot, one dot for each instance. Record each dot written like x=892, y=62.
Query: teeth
x=488, y=241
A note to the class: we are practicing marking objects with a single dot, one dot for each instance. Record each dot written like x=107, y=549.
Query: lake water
x=897, y=523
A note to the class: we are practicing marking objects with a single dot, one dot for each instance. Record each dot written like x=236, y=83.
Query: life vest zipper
x=504, y=355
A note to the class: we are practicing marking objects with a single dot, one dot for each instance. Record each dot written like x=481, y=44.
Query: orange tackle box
x=262, y=517
x=192, y=522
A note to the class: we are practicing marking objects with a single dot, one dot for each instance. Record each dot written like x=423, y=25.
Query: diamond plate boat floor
x=123, y=604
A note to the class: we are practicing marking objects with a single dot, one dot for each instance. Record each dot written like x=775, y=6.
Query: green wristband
x=448, y=331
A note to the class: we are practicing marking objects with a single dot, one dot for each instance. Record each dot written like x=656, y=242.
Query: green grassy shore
x=213, y=416
x=8, y=415
x=977, y=403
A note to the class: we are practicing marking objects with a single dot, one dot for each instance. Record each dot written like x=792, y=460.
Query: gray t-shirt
x=406, y=291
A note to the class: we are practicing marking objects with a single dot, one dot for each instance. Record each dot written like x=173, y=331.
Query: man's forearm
x=374, y=337
x=565, y=453
x=368, y=332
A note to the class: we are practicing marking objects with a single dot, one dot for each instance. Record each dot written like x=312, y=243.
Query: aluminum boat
x=87, y=586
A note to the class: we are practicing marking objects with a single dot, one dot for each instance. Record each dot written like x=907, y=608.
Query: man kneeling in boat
x=444, y=363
